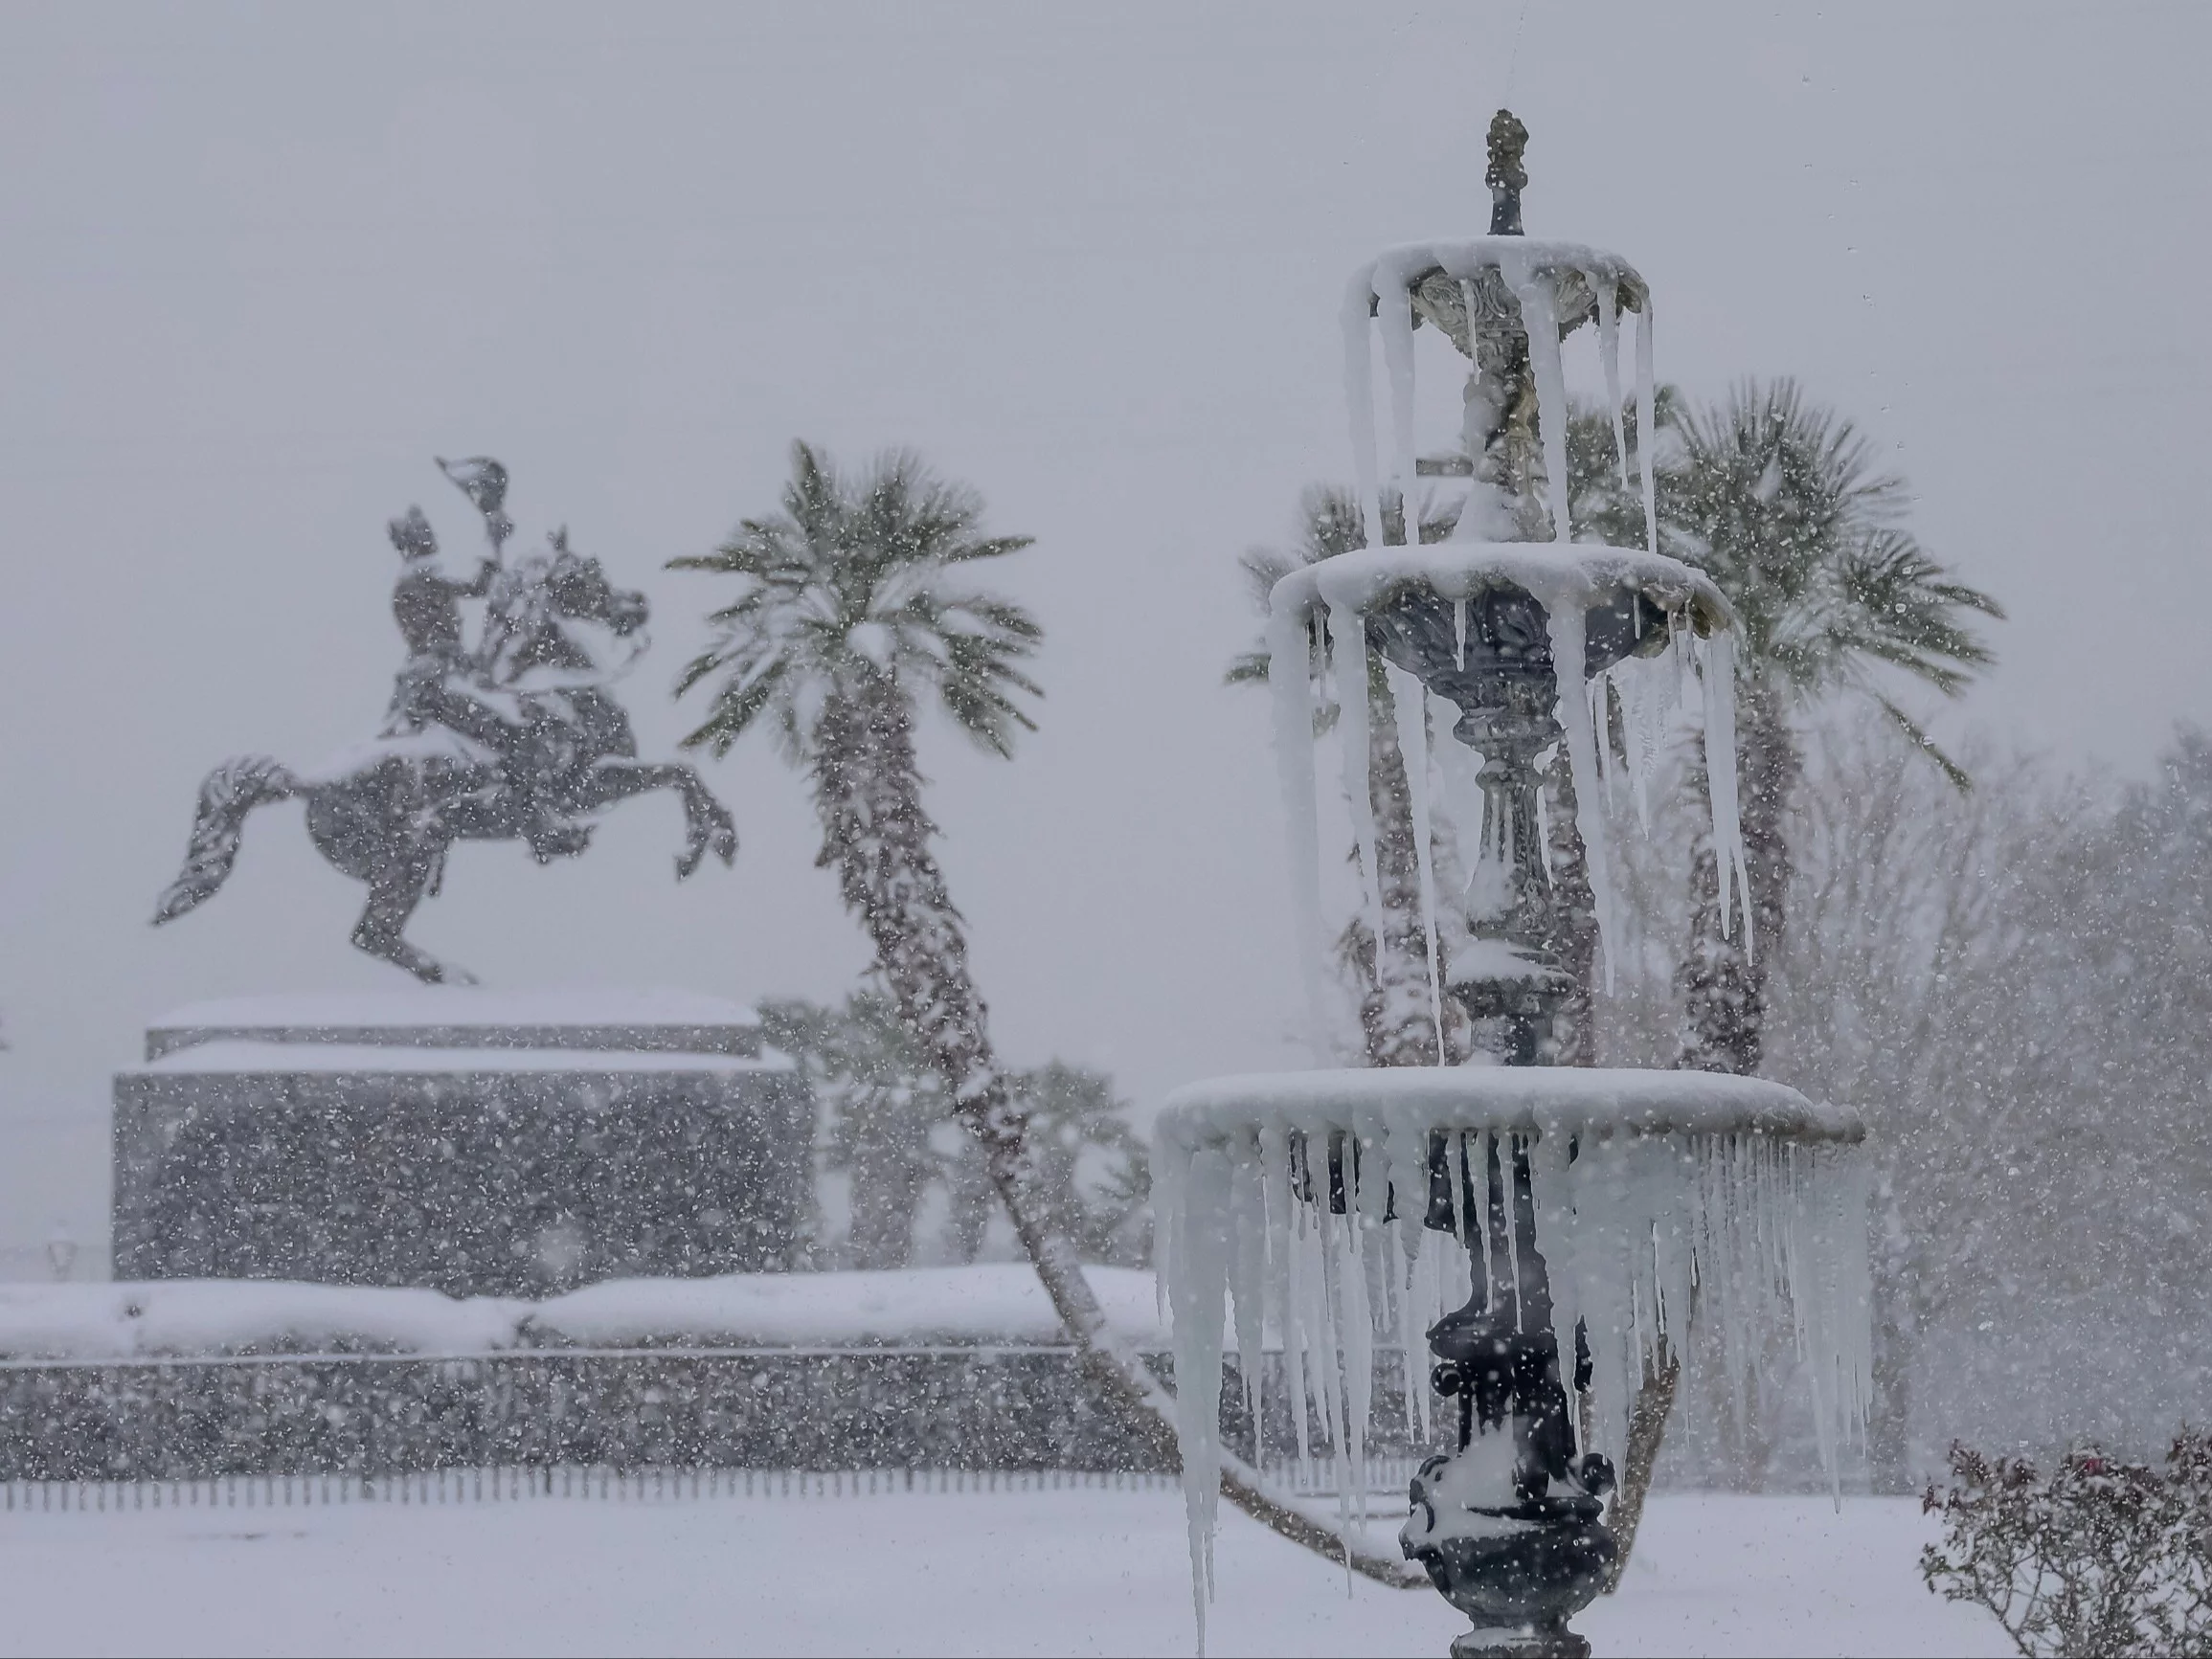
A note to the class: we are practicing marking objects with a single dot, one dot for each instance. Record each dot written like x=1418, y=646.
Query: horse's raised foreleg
x=393, y=892
x=708, y=827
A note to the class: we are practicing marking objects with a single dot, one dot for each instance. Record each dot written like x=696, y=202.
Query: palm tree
x=855, y=604
x=1782, y=504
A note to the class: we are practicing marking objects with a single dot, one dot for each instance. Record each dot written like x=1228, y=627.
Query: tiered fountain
x=1595, y=1212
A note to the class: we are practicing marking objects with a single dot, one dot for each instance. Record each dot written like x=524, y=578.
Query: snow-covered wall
x=189, y=1318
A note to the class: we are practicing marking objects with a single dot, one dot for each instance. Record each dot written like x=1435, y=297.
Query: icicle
x=1323, y=1349
x=1475, y=1150
x=1460, y=631
x=1719, y=651
x=1507, y=1199
x=1409, y=701
x=1601, y=721
x=1406, y=1148
x=1195, y=1283
x=1539, y=316
x=1565, y=612
x=1289, y=685
x=1479, y=510
x=1601, y=1269
x=1363, y=1199
x=1559, y=1237
x=1359, y=399
x=1543, y=817
x=1349, y=630
x=1609, y=354
x=1459, y=769
x=1329, y=1308
x=1296, y=1323
x=1280, y=1300
x=1396, y=317
x=1248, y=1215
x=1646, y=399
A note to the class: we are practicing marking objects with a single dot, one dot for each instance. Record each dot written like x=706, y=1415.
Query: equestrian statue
x=516, y=738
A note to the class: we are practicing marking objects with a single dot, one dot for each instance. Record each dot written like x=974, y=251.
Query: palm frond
x=1918, y=737
x=740, y=702
x=1246, y=668
x=1784, y=504
x=854, y=578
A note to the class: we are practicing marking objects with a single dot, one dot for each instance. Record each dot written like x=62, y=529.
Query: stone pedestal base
x=1519, y=1643
x=473, y=1142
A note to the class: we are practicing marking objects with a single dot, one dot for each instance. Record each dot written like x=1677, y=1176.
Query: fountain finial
x=1506, y=177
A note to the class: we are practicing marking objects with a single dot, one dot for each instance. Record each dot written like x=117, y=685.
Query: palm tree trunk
x=1647, y=1425
x=1397, y=1020
x=877, y=833
x=1725, y=979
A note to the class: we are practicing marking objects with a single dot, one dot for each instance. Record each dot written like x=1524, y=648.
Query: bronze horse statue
x=518, y=739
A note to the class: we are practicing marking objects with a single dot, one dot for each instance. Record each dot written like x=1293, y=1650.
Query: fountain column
x=1509, y=1526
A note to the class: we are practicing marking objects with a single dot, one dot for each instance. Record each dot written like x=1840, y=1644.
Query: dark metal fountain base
x=1552, y=1643
x=1520, y=1588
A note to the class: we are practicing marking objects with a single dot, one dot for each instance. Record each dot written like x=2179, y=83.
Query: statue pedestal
x=477, y=1142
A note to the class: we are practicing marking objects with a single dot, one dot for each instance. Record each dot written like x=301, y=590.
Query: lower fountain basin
x=1574, y=1101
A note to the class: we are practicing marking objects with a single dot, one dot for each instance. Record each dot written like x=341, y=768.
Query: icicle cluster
x=1533, y=273
x=1653, y=1192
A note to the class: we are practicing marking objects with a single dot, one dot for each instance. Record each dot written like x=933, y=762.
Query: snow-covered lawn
x=1084, y=1571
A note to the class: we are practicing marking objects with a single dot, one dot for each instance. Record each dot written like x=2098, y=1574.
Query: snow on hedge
x=195, y=1319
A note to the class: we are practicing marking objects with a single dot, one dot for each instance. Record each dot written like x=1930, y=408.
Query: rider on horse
x=442, y=683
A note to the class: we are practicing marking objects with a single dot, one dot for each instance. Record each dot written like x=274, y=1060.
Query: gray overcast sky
x=258, y=263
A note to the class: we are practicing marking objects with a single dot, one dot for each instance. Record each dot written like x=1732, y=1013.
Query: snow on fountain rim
x=1463, y=257
x=1547, y=1100
x=1356, y=580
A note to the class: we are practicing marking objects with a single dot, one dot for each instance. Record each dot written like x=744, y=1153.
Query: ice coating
x=1290, y=687
x=1348, y=632
x=1458, y=769
x=1645, y=1183
x=1646, y=406
x=1565, y=618
x=1396, y=317
x=1360, y=404
x=1199, y=1239
x=1409, y=704
x=1608, y=359
x=1542, y=319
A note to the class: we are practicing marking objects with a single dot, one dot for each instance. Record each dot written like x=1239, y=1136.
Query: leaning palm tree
x=1782, y=504
x=855, y=604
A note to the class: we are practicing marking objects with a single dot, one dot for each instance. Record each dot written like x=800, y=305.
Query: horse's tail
x=232, y=790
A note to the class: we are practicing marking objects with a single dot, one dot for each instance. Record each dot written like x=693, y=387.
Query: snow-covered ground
x=1052, y=1571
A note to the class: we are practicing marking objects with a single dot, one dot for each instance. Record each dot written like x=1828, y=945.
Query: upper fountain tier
x=1585, y=283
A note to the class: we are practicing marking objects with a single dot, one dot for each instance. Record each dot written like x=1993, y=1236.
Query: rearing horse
x=547, y=741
